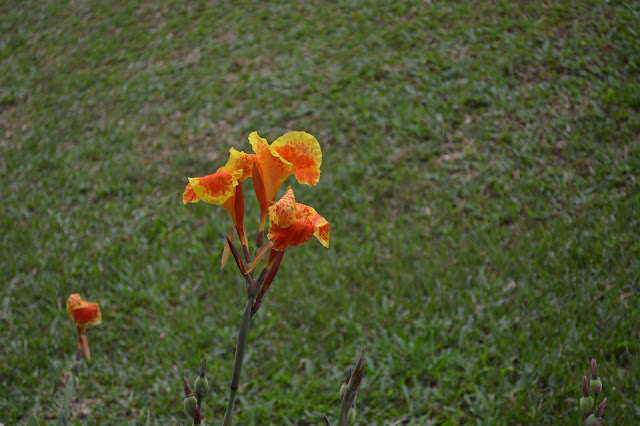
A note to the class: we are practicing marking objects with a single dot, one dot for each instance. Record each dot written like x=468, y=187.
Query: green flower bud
x=593, y=421
x=352, y=415
x=189, y=404
x=202, y=385
x=586, y=405
x=343, y=388
x=596, y=386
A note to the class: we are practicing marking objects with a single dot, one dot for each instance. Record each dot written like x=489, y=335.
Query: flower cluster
x=291, y=223
x=591, y=389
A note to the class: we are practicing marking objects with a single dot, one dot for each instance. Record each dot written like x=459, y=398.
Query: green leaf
x=33, y=420
x=148, y=421
x=66, y=401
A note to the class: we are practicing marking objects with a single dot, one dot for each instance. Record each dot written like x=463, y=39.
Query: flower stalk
x=241, y=346
x=591, y=389
x=82, y=313
x=352, y=382
x=291, y=224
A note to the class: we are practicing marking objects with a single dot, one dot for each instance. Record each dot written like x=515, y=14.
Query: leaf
x=148, y=421
x=66, y=400
x=33, y=420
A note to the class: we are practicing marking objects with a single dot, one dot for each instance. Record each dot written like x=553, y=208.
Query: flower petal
x=319, y=223
x=273, y=168
x=89, y=314
x=283, y=213
x=294, y=235
x=75, y=301
x=321, y=231
x=258, y=186
x=85, y=344
x=302, y=150
x=287, y=230
x=82, y=312
x=189, y=196
x=239, y=160
x=215, y=188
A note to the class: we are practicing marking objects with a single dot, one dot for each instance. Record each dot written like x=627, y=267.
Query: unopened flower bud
x=203, y=367
x=202, y=385
x=197, y=418
x=190, y=404
x=600, y=408
x=585, y=386
x=187, y=388
x=347, y=377
x=596, y=386
x=352, y=415
x=586, y=405
x=343, y=388
x=592, y=421
x=594, y=369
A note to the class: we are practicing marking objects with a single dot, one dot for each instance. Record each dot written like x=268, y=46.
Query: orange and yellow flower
x=296, y=153
x=292, y=223
x=224, y=188
x=83, y=314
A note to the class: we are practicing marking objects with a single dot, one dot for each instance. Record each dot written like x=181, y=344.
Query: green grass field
x=481, y=176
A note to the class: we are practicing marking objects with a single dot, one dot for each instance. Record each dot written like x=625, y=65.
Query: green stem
x=241, y=346
x=344, y=410
x=69, y=391
x=229, y=413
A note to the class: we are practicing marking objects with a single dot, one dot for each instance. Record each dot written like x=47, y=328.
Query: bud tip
x=197, y=419
x=600, y=409
x=187, y=388
x=203, y=367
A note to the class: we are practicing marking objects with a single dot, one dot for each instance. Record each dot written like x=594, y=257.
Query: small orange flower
x=224, y=188
x=83, y=313
x=296, y=153
x=292, y=224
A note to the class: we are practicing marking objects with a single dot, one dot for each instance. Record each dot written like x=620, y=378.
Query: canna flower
x=83, y=313
x=225, y=188
x=296, y=153
x=292, y=224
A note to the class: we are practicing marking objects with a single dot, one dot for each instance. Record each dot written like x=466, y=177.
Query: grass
x=480, y=175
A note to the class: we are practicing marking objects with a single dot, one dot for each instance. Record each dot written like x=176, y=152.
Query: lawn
x=481, y=167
